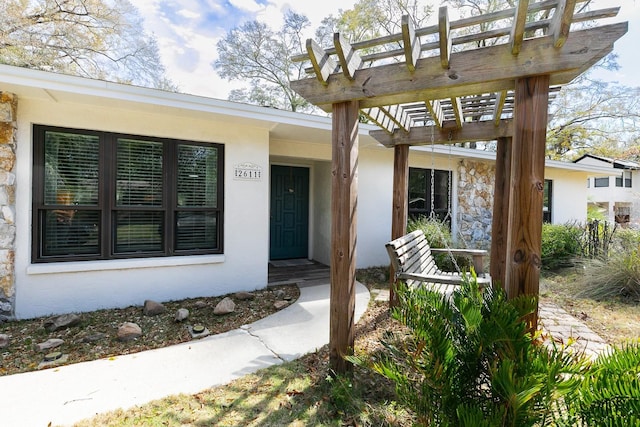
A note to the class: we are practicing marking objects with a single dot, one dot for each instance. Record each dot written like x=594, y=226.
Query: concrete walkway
x=567, y=330
x=67, y=394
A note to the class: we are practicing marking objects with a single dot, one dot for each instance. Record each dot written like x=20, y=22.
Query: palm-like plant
x=467, y=360
x=609, y=395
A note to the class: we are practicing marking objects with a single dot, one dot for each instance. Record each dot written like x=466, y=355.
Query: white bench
x=413, y=262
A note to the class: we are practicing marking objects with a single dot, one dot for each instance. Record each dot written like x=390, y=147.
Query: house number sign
x=247, y=172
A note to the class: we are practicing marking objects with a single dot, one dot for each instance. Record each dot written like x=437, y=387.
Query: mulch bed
x=157, y=331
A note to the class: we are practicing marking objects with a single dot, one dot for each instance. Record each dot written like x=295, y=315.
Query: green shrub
x=561, y=244
x=467, y=360
x=609, y=393
x=439, y=236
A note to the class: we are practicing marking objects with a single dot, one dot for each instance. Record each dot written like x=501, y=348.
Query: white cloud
x=248, y=5
x=189, y=14
x=187, y=34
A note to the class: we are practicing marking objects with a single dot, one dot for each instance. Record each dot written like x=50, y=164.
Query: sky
x=188, y=30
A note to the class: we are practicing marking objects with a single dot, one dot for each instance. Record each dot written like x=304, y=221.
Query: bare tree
x=90, y=38
x=372, y=18
x=262, y=56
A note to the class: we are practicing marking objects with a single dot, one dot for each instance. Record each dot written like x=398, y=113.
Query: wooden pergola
x=449, y=83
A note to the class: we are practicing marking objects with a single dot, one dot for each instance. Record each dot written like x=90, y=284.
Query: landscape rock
x=195, y=335
x=129, y=331
x=153, y=308
x=279, y=294
x=225, y=306
x=181, y=314
x=48, y=344
x=62, y=322
x=242, y=296
x=4, y=340
x=92, y=337
x=48, y=364
x=280, y=304
x=200, y=304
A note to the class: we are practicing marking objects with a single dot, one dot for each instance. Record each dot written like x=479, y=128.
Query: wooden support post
x=400, y=206
x=524, y=239
x=500, y=220
x=344, y=200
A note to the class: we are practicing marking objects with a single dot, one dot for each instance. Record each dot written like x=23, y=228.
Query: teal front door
x=289, y=229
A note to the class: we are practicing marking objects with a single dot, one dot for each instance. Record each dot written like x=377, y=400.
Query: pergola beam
x=561, y=22
x=322, y=63
x=350, y=61
x=394, y=84
x=501, y=98
x=435, y=110
x=456, y=105
x=518, y=27
x=411, y=43
x=470, y=132
x=444, y=33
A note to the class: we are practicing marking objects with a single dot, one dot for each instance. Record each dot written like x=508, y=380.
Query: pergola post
x=344, y=198
x=500, y=219
x=400, y=206
x=524, y=239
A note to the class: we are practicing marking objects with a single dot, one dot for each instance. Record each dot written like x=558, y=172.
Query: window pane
x=139, y=231
x=70, y=232
x=196, y=230
x=139, y=180
x=418, y=194
x=70, y=169
x=601, y=182
x=197, y=176
x=441, y=191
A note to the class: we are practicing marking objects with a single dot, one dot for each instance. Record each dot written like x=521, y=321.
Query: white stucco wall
x=568, y=203
x=48, y=288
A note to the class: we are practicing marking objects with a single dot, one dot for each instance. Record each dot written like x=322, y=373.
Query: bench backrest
x=411, y=253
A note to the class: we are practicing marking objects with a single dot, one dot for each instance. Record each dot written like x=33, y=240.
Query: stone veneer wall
x=8, y=109
x=475, y=203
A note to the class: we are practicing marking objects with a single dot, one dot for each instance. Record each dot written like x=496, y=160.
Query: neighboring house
x=618, y=194
x=112, y=194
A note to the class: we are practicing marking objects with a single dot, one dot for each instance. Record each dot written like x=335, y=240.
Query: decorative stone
x=181, y=314
x=153, y=308
x=280, y=304
x=279, y=294
x=129, y=331
x=4, y=341
x=243, y=296
x=92, y=337
x=48, y=344
x=62, y=322
x=225, y=306
x=198, y=331
x=199, y=304
x=58, y=359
